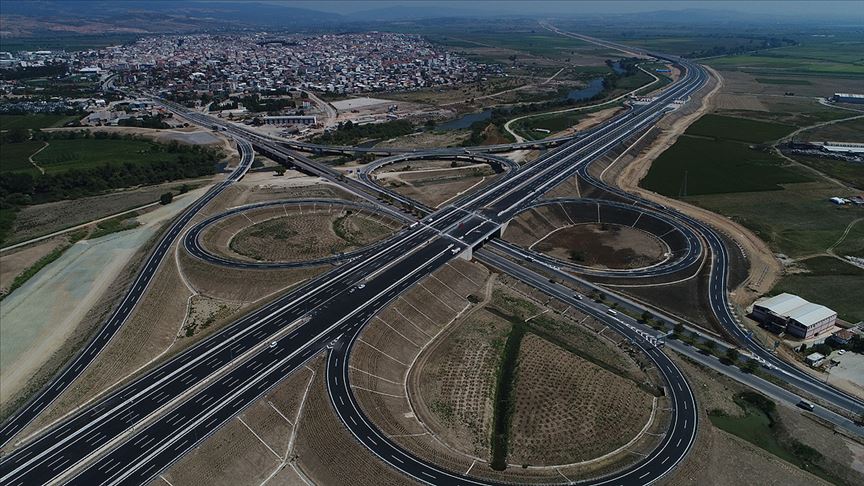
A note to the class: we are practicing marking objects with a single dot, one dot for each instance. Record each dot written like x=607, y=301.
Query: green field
x=539, y=43
x=739, y=129
x=707, y=166
x=845, y=131
x=61, y=155
x=776, y=64
x=68, y=43
x=760, y=426
x=853, y=245
x=13, y=156
x=830, y=282
x=553, y=123
x=754, y=427
x=33, y=121
x=797, y=221
x=849, y=172
x=790, y=82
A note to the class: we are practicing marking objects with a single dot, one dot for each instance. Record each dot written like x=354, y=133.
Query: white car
x=273, y=344
x=361, y=286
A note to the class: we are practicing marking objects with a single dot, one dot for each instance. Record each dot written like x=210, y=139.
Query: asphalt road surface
x=131, y=442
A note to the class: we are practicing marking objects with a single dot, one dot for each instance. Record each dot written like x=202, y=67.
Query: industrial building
x=794, y=315
x=290, y=120
x=848, y=98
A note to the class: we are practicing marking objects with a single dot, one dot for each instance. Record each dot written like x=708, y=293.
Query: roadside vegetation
x=348, y=133
x=761, y=426
x=504, y=396
x=517, y=380
x=56, y=253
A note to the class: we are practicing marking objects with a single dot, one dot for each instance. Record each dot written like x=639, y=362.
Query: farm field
x=845, y=131
x=63, y=155
x=40, y=219
x=784, y=81
x=797, y=220
x=535, y=43
x=14, y=157
x=738, y=129
x=849, y=172
x=830, y=282
x=33, y=121
x=697, y=166
x=778, y=64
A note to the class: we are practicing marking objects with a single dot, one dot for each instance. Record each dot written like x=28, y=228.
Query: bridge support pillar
x=503, y=228
x=467, y=254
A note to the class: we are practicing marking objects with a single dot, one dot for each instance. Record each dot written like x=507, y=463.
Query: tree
x=750, y=366
x=17, y=135
x=732, y=355
x=166, y=198
x=646, y=316
x=279, y=170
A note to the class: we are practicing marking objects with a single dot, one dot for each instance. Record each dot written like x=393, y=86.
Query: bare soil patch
x=436, y=187
x=13, y=262
x=603, y=245
x=451, y=138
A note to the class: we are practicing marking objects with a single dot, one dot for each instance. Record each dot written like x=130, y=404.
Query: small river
x=594, y=87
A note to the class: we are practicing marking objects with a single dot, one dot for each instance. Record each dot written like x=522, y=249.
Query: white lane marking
x=236, y=397
x=205, y=355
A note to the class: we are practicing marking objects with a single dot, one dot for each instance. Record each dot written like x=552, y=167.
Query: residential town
x=262, y=62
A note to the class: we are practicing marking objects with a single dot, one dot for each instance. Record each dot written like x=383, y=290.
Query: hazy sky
x=778, y=7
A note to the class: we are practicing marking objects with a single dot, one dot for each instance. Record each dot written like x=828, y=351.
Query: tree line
x=23, y=188
x=348, y=133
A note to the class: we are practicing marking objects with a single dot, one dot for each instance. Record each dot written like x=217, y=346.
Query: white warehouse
x=797, y=316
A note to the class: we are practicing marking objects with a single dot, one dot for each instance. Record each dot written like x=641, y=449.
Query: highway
x=82, y=360
x=723, y=310
x=686, y=254
x=319, y=309
x=145, y=426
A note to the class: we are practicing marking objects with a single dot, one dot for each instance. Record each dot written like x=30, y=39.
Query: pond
x=595, y=86
x=465, y=121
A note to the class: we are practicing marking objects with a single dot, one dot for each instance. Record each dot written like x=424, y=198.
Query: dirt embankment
x=764, y=269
